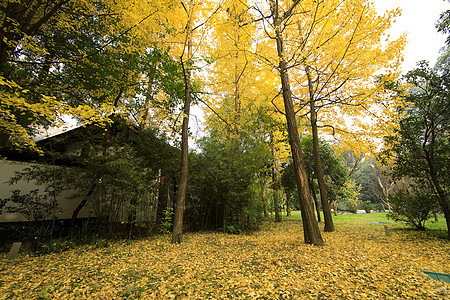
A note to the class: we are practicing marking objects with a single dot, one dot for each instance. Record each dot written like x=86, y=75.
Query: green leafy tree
x=349, y=195
x=443, y=24
x=79, y=58
x=213, y=182
x=336, y=174
x=367, y=177
x=289, y=185
x=33, y=205
x=420, y=145
x=414, y=207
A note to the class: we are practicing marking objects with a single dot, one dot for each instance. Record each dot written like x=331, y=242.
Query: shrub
x=413, y=207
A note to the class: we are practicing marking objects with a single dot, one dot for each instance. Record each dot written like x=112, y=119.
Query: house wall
x=8, y=169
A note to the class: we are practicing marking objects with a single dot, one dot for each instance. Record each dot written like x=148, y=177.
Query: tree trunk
x=79, y=207
x=162, y=197
x=442, y=199
x=288, y=203
x=264, y=198
x=274, y=181
x=177, y=233
x=329, y=226
x=442, y=196
x=316, y=204
x=310, y=227
x=275, y=196
x=335, y=208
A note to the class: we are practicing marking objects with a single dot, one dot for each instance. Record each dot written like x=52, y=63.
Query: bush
x=166, y=222
x=233, y=229
x=33, y=205
x=414, y=207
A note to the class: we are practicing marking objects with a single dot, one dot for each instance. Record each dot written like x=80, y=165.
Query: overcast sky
x=418, y=20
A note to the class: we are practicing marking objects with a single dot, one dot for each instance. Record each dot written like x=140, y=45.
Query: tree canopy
x=266, y=73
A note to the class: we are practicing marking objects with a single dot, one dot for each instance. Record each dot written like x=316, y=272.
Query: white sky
x=418, y=20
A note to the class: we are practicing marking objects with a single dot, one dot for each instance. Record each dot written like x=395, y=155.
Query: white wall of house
x=8, y=169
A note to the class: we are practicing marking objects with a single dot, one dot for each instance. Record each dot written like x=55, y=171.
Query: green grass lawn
x=377, y=219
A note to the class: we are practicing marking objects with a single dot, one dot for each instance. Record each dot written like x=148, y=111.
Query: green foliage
x=233, y=229
x=55, y=246
x=32, y=205
x=336, y=174
x=2, y=204
x=423, y=134
x=216, y=181
x=77, y=59
x=421, y=143
x=443, y=24
x=366, y=177
x=166, y=222
x=288, y=177
x=39, y=43
x=83, y=232
x=366, y=205
x=413, y=207
x=349, y=195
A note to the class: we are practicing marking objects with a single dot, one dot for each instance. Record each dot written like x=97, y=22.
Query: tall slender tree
x=278, y=16
x=197, y=15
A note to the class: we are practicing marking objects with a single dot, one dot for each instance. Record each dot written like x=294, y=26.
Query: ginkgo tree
x=230, y=82
x=241, y=88
x=327, y=56
x=343, y=46
x=190, y=24
x=274, y=17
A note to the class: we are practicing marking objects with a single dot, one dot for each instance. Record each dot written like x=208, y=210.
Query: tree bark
x=288, y=203
x=329, y=226
x=177, y=233
x=310, y=227
x=442, y=196
x=316, y=204
x=335, y=208
x=79, y=207
x=264, y=198
x=274, y=181
x=276, y=203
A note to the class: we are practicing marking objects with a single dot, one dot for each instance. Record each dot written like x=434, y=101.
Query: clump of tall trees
x=273, y=69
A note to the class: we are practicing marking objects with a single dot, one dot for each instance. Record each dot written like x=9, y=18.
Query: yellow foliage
x=357, y=262
x=345, y=45
x=49, y=109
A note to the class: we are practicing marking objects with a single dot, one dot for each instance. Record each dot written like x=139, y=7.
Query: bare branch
x=210, y=108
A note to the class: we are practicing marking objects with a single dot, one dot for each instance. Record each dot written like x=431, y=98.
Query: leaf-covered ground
x=358, y=262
